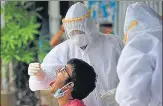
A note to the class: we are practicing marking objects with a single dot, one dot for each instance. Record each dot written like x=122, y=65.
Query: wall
x=121, y=12
x=54, y=17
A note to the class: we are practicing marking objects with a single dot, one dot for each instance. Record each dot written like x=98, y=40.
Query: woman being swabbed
x=73, y=83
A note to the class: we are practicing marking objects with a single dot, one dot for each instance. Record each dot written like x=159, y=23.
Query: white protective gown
x=140, y=64
x=102, y=53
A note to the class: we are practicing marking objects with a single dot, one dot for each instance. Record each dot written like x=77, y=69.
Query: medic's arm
x=50, y=64
x=135, y=68
x=56, y=39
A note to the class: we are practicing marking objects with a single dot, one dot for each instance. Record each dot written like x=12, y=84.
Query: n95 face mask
x=80, y=40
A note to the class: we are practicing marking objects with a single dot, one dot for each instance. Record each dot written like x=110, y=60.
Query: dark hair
x=84, y=78
x=106, y=25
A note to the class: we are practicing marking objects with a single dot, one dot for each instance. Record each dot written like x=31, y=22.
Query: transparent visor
x=75, y=32
x=76, y=27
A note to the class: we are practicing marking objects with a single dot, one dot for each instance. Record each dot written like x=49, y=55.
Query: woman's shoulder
x=76, y=102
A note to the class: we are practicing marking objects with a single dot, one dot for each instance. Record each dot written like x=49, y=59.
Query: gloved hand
x=34, y=69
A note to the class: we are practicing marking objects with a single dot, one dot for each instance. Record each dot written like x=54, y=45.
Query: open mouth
x=52, y=83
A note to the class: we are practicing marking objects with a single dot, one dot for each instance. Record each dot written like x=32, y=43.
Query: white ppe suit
x=140, y=64
x=102, y=52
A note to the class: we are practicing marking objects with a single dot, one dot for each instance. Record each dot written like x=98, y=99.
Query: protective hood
x=140, y=18
x=78, y=17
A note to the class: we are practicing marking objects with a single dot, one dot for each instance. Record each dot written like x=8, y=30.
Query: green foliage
x=19, y=30
x=44, y=48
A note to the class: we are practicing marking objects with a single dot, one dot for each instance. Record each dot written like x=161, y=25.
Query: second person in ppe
x=140, y=64
x=86, y=43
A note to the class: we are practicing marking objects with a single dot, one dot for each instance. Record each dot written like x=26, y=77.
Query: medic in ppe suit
x=86, y=43
x=140, y=64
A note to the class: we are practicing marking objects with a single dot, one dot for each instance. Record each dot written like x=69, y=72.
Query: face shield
x=79, y=25
x=133, y=24
x=136, y=23
x=78, y=31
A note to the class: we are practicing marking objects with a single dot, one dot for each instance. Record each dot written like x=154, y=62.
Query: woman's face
x=62, y=75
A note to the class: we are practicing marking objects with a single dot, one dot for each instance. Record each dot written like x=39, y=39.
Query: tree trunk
x=7, y=94
x=5, y=77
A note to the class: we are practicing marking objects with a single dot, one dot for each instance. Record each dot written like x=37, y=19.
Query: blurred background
x=30, y=29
